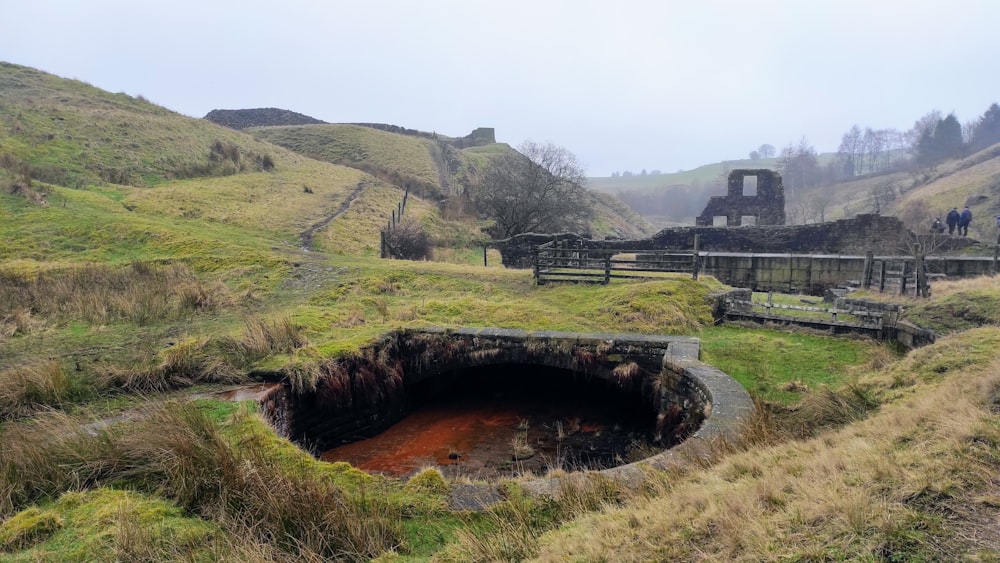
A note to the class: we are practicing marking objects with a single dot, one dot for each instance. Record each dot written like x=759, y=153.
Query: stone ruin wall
x=858, y=235
x=767, y=206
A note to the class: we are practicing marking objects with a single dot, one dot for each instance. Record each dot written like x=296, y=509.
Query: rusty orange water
x=476, y=436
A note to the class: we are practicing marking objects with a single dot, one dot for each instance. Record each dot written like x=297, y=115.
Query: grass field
x=353, y=145
x=120, y=299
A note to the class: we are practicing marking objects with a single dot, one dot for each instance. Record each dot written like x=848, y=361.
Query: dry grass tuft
x=881, y=357
x=262, y=338
x=303, y=376
x=186, y=363
x=624, y=373
x=829, y=408
x=24, y=389
x=17, y=323
x=944, y=288
x=511, y=535
x=141, y=293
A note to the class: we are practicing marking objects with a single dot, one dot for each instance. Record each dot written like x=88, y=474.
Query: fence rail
x=565, y=263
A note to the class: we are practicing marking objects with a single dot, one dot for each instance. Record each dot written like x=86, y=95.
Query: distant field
x=702, y=174
x=706, y=173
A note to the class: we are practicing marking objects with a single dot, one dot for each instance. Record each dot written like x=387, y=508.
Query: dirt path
x=307, y=235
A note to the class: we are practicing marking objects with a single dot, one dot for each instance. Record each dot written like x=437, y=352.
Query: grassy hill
x=432, y=168
x=69, y=133
x=399, y=158
x=124, y=304
x=919, y=195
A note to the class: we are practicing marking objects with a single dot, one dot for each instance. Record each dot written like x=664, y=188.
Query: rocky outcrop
x=260, y=117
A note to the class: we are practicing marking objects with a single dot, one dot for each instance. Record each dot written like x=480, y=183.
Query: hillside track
x=307, y=236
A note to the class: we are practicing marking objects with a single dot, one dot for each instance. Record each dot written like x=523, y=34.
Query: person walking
x=952, y=220
x=963, y=222
x=937, y=227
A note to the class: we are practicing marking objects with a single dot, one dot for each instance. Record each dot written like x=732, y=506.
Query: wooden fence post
x=607, y=268
x=918, y=263
x=902, y=279
x=381, y=236
x=484, y=256
x=769, y=297
x=696, y=258
x=881, y=276
x=538, y=280
x=866, y=274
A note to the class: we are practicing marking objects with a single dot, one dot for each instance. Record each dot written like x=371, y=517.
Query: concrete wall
x=793, y=273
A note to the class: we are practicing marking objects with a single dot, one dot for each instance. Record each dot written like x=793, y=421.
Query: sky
x=623, y=84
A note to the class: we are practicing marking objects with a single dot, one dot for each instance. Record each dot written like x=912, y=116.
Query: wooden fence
x=385, y=251
x=562, y=261
x=898, y=276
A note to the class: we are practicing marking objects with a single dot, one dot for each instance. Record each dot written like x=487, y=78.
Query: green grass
x=353, y=145
x=107, y=524
x=73, y=134
x=782, y=366
x=957, y=312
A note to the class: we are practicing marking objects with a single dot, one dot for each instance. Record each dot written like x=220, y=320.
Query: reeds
x=262, y=338
x=140, y=293
x=28, y=387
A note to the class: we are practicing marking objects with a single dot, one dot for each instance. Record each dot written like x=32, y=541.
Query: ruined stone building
x=765, y=203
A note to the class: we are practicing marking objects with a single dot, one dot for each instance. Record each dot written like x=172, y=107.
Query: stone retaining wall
x=713, y=404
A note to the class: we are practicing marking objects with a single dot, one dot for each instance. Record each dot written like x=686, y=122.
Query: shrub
x=267, y=163
x=407, y=241
x=429, y=480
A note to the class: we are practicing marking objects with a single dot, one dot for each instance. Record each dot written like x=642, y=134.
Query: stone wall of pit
x=362, y=396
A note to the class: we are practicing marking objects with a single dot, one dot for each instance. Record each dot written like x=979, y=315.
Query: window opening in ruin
x=749, y=186
x=720, y=221
x=748, y=220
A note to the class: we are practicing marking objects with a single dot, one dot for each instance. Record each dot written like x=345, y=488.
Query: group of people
x=956, y=219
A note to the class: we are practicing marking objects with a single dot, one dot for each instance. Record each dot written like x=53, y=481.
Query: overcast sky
x=623, y=84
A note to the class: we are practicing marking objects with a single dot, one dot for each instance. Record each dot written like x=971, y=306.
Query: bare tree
x=538, y=189
x=921, y=127
x=766, y=151
x=882, y=194
x=874, y=141
x=916, y=215
x=849, y=152
x=819, y=204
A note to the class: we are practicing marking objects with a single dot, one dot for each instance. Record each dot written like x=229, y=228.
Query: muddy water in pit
x=502, y=421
